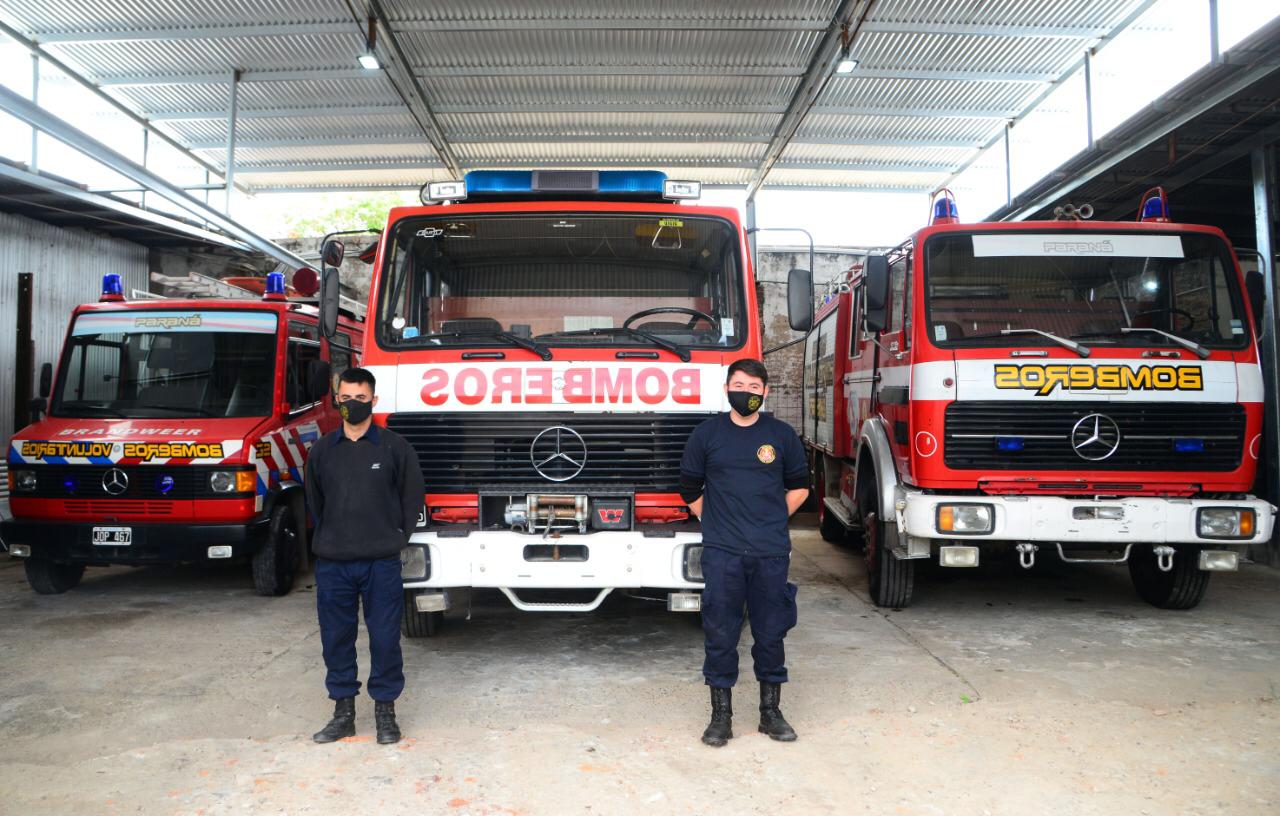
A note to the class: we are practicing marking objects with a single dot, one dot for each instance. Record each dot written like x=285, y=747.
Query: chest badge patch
x=766, y=454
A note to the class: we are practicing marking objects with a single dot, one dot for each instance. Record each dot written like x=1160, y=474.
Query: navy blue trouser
x=759, y=583
x=341, y=586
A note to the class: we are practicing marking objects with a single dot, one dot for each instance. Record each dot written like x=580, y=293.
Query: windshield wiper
x=661, y=342
x=514, y=339
x=175, y=409
x=1083, y=351
x=81, y=406
x=1189, y=345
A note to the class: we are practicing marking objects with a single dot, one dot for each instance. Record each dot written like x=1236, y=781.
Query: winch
x=548, y=512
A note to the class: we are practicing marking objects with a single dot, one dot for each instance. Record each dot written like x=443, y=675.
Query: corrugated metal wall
x=68, y=266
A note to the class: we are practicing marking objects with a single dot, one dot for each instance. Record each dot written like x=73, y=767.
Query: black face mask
x=745, y=403
x=355, y=412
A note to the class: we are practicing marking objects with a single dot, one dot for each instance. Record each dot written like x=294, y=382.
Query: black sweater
x=364, y=496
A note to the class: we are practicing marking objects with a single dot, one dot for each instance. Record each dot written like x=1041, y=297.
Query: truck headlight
x=23, y=480
x=232, y=481
x=693, y=562
x=1226, y=522
x=414, y=565
x=965, y=519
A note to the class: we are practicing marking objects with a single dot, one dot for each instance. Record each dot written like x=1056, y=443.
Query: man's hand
x=695, y=507
x=795, y=498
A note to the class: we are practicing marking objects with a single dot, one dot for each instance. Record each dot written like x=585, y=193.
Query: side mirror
x=36, y=408
x=329, y=294
x=46, y=380
x=318, y=380
x=800, y=299
x=877, y=293
x=332, y=252
x=1256, y=287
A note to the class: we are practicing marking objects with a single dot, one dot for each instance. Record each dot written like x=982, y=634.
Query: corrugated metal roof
x=702, y=88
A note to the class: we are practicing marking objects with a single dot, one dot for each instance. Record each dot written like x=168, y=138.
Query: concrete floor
x=999, y=692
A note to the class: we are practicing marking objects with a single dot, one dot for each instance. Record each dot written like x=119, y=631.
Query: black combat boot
x=720, y=730
x=343, y=723
x=771, y=720
x=384, y=717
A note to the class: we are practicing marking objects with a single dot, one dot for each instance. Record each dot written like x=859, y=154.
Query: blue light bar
x=1188, y=445
x=1010, y=443
x=945, y=208
x=565, y=183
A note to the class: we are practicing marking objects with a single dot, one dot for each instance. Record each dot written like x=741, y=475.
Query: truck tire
x=51, y=578
x=415, y=624
x=1181, y=588
x=275, y=562
x=890, y=580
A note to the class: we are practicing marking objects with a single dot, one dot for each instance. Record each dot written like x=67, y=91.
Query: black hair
x=749, y=366
x=359, y=376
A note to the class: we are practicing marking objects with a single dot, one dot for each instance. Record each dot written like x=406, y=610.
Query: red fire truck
x=547, y=341
x=176, y=431
x=1086, y=389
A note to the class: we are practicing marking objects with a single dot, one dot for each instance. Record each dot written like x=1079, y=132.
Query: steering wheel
x=694, y=315
x=1191, y=319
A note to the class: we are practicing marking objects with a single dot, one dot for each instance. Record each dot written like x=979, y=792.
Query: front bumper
x=612, y=560
x=152, y=543
x=1053, y=519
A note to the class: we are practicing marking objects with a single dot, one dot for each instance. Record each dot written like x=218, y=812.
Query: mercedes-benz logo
x=115, y=481
x=1095, y=437
x=558, y=453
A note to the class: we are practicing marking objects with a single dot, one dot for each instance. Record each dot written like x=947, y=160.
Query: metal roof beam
x=362, y=139
x=530, y=164
x=986, y=30
x=186, y=34
x=458, y=72
x=948, y=76
x=613, y=24
x=609, y=107
x=215, y=78
x=352, y=140
x=915, y=113
x=35, y=116
x=277, y=113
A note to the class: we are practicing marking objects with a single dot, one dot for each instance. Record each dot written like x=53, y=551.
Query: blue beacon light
x=112, y=288
x=275, y=286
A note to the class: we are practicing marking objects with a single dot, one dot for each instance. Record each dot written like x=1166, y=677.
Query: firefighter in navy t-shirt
x=744, y=474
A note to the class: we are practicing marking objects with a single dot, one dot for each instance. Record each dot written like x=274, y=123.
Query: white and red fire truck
x=176, y=431
x=547, y=341
x=1089, y=390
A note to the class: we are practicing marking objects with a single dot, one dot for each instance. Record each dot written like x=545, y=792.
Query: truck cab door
x=893, y=385
x=859, y=372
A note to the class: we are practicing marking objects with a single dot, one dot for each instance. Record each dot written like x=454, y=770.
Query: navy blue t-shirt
x=747, y=471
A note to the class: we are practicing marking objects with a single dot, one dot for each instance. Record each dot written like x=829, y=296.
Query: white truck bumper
x=613, y=560
x=1067, y=521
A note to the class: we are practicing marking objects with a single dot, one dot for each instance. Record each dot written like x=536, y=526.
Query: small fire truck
x=547, y=341
x=1089, y=390
x=176, y=431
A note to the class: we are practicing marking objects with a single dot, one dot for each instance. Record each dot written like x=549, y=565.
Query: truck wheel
x=1181, y=588
x=890, y=580
x=274, y=563
x=415, y=624
x=51, y=578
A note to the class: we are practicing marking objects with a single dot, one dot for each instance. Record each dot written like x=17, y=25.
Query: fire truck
x=547, y=341
x=1085, y=390
x=176, y=431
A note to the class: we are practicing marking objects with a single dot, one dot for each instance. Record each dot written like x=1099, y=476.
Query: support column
x=35, y=99
x=1088, y=95
x=1263, y=160
x=751, y=229
x=230, y=169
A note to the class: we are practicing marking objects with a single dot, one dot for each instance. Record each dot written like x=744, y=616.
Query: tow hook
x=1164, y=557
x=1027, y=554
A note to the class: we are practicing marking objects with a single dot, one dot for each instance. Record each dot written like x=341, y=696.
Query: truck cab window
x=304, y=347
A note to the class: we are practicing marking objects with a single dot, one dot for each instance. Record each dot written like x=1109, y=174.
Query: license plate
x=113, y=536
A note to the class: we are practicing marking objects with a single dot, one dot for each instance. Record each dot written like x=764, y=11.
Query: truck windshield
x=562, y=279
x=194, y=363
x=1086, y=286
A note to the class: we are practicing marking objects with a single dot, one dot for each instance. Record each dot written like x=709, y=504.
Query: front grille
x=459, y=452
x=85, y=482
x=95, y=508
x=1147, y=434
